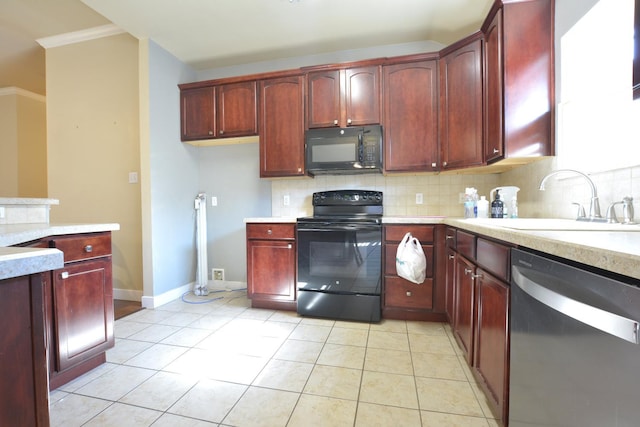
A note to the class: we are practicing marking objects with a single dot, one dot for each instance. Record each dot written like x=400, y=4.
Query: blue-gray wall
x=173, y=176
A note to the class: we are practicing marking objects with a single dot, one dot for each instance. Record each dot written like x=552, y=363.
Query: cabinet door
x=271, y=270
x=494, y=142
x=282, y=127
x=197, y=113
x=237, y=109
x=83, y=310
x=464, y=305
x=491, y=350
x=461, y=106
x=362, y=96
x=410, y=121
x=324, y=99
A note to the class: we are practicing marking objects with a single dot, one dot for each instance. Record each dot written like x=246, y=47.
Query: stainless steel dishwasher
x=575, y=358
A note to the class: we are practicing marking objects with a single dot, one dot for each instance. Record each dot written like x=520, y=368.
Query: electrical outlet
x=133, y=177
x=419, y=200
x=214, y=201
x=217, y=273
x=1, y=212
x=285, y=200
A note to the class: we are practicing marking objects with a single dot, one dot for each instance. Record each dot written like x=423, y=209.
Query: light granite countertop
x=615, y=251
x=20, y=261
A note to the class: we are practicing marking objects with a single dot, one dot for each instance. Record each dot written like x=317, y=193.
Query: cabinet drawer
x=390, y=259
x=395, y=233
x=494, y=257
x=401, y=293
x=83, y=246
x=466, y=244
x=271, y=231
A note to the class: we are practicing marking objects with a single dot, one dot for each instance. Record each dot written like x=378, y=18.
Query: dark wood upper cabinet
x=345, y=97
x=519, y=79
x=197, y=113
x=282, y=127
x=237, y=109
x=461, y=117
x=410, y=116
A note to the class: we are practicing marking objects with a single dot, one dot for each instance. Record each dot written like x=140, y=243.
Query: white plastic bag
x=411, y=263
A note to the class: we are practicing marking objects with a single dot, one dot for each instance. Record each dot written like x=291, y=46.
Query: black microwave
x=349, y=150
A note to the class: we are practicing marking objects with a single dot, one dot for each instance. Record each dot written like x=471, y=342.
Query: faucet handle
x=611, y=213
x=627, y=210
x=581, y=213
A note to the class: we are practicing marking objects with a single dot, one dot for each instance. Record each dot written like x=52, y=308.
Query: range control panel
x=348, y=197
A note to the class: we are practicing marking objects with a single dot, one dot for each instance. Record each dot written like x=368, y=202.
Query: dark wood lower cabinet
x=23, y=362
x=271, y=266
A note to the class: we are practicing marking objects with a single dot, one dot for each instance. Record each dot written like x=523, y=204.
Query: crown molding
x=12, y=90
x=80, y=36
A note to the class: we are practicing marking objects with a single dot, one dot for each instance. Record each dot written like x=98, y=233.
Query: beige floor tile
x=285, y=316
x=236, y=368
x=56, y=395
x=392, y=361
x=150, y=316
x=434, y=365
x=430, y=344
x=116, y=383
x=157, y=356
x=306, y=332
x=257, y=314
x=427, y=328
x=388, y=340
x=180, y=319
x=317, y=321
x=284, y=375
x=171, y=420
x=389, y=389
x=455, y=397
x=370, y=415
x=299, y=351
x=125, y=328
x=390, y=325
x=439, y=419
x=120, y=414
x=75, y=410
x=331, y=381
x=187, y=337
x=276, y=329
x=241, y=327
x=350, y=324
x=209, y=400
x=160, y=391
x=320, y=411
x=262, y=407
x=347, y=336
x=86, y=378
x=345, y=356
x=124, y=350
x=155, y=333
x=210, y=322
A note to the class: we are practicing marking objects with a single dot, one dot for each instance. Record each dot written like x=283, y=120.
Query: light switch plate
x=2, y=212
x=286, y=200
x=214, y=201
x=419, y=199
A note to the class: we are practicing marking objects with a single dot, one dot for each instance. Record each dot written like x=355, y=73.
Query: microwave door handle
x=360, y=157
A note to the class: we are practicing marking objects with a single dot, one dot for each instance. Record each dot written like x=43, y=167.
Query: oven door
x=340, y=258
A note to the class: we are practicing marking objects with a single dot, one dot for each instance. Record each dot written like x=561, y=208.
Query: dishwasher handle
x=611, y=323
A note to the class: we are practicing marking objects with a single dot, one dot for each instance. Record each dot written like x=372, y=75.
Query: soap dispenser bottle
x=497, y=206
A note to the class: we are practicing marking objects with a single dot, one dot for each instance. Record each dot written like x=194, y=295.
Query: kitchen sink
x=554, y=224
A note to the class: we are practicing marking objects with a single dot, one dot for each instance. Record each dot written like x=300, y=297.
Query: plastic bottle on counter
x=514, y=207
x=483, y=207
x=470, y=202
x=497, y=206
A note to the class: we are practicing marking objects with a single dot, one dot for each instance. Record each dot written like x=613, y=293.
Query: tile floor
x=224, y=363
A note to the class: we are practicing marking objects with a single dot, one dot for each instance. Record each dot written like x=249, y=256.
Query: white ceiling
x=218, y=33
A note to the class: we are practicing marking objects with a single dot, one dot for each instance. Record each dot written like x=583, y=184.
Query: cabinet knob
x=444, y=164
x=269, y=231
x=88, y=249
x=348, y=121
x=289, y=246
x=210, y=132
x=64, y=275
x=449, y=237
x=221, y=132
x=496, y=151
x=335, y=122
x=409, y=293
x=434, y=165
x=299, y=169
x=451, y=257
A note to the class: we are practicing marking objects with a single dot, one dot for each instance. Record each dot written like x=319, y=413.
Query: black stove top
x=361, y=206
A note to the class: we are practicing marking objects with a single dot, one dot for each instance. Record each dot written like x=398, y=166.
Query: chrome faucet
x=594, y=207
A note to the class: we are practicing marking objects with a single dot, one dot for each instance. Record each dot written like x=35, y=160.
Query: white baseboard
x=167, y=297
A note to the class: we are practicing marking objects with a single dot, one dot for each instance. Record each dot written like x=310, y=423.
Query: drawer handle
x=467, y=271
x=449, y=237
x=88, y=249
x=476, y=276
x=64, y=275
x=409, y=293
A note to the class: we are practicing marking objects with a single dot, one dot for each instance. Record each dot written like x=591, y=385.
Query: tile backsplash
x=441, y=193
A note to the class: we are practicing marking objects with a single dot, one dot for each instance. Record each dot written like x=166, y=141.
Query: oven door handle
x=611, y=323
x=334, y=227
